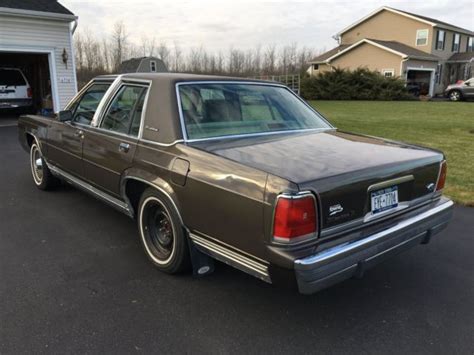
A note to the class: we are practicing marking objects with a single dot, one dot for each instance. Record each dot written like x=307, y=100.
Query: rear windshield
x=213, y=110
x=11, y=78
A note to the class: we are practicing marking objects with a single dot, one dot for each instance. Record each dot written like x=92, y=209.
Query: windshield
x=225, y=109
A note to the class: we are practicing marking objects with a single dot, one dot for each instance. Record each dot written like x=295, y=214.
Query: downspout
x=74, y=26
x=401, y=69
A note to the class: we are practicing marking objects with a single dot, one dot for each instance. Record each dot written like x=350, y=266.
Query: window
x=422, y=37
x=456, y=40
x=470, y=44
x=315, y=66
x=440, y=39
x=124, y=113
x=84, y=110
x=216, y=110
x=11, y=77
x=153, y=66
x=388, y=73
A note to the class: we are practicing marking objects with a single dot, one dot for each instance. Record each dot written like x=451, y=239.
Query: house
x=143, y=65
x=422, y=51
x=36, y=36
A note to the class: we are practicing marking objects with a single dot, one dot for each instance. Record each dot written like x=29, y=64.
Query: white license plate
x=385, y=199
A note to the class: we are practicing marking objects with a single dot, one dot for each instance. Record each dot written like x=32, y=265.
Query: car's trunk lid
x=342, y=168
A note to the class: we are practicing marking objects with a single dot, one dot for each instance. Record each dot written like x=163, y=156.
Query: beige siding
x=28, y=33
x=368, y=56
x=389, y=26
x=322, y=68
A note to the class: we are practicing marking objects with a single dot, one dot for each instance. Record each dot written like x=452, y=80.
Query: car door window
x=124, y=113
x=84, y=109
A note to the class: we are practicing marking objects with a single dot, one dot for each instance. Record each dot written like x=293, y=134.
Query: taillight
x=295, y=217
x=443, y=170
x=29, y=92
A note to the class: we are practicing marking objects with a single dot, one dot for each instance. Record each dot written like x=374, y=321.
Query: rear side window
x=11, y=78
x=85, y=108
x=124, y=113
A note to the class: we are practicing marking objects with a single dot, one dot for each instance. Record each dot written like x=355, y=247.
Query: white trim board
x=52, y=66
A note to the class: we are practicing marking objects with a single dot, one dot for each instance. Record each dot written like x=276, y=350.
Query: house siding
x=368, y=56
x=29, y=33
x=389, y=26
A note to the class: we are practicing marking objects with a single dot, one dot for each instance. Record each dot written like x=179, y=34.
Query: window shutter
x=444, y=40
x=452, y=45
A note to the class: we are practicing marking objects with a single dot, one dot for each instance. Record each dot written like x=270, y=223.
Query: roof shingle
x=36, y=5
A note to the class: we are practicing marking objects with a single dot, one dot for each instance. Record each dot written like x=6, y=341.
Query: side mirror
x=64, y=116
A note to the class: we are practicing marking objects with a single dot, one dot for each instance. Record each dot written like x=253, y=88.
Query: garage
x=421, y=81
x=36, y=44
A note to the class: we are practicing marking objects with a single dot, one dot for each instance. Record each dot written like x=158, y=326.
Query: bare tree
x=119, y=45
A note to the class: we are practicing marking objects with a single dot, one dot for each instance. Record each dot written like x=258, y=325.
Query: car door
x=65, y=139
x=109, y=148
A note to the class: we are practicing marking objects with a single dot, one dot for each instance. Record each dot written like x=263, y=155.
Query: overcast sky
x=218, y=25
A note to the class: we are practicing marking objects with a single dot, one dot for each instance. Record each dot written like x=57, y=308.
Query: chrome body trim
x=231, y=257
x=340, y=251
x=203, y=82
x=391, y=182
x=112, y=201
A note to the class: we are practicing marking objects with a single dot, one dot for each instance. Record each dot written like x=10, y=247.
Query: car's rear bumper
x=338, y=263
x=15, y=103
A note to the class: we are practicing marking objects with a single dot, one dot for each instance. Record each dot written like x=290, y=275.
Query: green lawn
x=448, y=126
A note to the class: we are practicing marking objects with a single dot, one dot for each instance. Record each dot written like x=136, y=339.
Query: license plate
x=385, y=199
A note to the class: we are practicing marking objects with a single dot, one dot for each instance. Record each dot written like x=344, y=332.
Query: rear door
x=109, y=148
x=65, y=140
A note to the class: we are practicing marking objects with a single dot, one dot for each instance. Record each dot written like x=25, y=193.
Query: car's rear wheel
x=455, y=95
x=161, y=233
x=42, y=176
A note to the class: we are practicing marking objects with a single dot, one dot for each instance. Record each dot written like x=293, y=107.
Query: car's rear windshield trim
x=234, y=136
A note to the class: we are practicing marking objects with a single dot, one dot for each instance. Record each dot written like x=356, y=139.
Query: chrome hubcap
x=37, y=165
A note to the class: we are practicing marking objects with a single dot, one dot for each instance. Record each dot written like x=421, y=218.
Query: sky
x=244, y=24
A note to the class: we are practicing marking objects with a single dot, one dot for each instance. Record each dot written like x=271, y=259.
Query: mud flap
x=203, y=264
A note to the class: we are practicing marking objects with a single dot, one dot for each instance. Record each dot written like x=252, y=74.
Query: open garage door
x=420, y=81
x=36, y=69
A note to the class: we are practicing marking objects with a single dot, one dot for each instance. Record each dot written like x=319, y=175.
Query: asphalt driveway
x=73, y=278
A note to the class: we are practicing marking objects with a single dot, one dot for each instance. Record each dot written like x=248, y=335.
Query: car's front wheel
x=42, y=176
x=161, y=233
x=455, y=95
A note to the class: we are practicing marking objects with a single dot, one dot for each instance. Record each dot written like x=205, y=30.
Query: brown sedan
x=241, y=171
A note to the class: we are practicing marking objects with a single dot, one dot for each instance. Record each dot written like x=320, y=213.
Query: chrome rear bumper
x=338, y=263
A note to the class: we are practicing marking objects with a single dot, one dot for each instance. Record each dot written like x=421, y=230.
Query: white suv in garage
x=15, y=91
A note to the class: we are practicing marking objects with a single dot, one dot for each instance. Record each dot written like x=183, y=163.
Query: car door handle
x=79, y=133
x=124, y=147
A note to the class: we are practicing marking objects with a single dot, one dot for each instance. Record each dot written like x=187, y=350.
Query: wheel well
x=29, y=139
x=134, y=190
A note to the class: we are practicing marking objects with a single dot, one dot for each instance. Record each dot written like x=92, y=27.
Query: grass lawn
x=448, y=126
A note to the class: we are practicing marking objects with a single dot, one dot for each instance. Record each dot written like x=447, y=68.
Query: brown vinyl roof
x=36, y=5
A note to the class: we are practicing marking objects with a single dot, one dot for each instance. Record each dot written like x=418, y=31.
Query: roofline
x=434, y=24
x=37, y=14
x=365, y=40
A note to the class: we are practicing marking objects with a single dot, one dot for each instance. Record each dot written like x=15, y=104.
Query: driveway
x=73, y=278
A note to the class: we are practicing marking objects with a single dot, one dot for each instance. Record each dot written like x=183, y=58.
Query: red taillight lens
x=443, y=170
x=295, y=216
x=29, y=92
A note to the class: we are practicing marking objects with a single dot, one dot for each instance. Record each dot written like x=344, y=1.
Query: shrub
x=360, y=84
